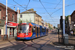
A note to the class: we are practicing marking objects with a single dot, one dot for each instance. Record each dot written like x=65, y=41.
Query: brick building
x=73, y=20
x=12, y=19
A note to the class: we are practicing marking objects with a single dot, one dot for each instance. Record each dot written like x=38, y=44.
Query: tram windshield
x=23, y=28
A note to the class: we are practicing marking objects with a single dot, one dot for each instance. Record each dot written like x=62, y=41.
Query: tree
x=20, y=21
x=66, y=19
x=50, y=27
x=54, y=27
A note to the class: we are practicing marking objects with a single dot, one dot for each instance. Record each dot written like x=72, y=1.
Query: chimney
x=18, y=11
x=14, y=8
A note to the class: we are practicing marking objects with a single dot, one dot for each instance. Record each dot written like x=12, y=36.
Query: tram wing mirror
x=30, y=26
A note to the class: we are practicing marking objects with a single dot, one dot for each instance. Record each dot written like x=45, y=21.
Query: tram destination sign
x=2, y=22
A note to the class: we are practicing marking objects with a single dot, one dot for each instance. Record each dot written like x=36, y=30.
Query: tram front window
x=23, y=28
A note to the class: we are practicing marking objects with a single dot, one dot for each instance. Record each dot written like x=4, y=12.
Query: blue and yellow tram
x=30, y=31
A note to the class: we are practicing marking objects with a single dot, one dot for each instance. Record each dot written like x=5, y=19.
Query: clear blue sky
x=50, y=5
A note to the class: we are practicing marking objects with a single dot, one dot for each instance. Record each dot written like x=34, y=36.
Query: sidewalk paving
x=4, y=43
x=51, y=45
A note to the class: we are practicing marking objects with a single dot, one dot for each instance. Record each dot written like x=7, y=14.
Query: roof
x=29, y=11
x=73, y=13
x=5, y=7
x=37, y=15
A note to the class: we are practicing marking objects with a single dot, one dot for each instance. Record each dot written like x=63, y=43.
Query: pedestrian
x=71, y=32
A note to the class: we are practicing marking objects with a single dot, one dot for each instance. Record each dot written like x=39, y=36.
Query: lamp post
x=6, y=19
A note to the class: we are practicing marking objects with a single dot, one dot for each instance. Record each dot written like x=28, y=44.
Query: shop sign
x=2, y=22
x=12, y=24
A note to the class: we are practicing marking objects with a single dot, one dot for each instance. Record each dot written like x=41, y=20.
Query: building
x=11, y=24
x=30, y=16
x=58, y=26
x=73, y=20
x=51, y=26
x=42, y=22
x=68, y=24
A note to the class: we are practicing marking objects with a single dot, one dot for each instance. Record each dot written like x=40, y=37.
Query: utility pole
x=63, y=16
x=65, y=36
x=6, y=20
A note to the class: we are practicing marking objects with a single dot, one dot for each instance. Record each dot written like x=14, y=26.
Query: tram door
x=0, y=31
x=36, y=30
x=0, y=34
x=46, y=31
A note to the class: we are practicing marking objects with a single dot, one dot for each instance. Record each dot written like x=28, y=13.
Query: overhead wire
x=58, y=4
x=19, y=4
x=27, y=4
x=61, y=8
x=47, y=2
x=5, y=2
x=45, y=8
x=22, y=6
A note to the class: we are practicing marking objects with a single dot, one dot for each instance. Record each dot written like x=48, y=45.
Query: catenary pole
x=17, y=15
x=6, y=18
x=63, y=17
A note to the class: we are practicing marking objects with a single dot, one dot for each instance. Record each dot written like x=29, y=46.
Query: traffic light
x=61, y=23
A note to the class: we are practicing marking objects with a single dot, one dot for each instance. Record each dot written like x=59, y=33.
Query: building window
x=0, y=9
x=21, y=16
x=3, y=17
x=0, y=13
x=13, y=17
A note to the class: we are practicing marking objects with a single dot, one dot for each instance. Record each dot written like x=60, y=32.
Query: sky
x=51, y=11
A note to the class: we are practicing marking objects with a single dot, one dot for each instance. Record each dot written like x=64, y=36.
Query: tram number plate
x=21, y=38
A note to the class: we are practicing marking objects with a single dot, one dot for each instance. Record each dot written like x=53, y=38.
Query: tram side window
x=47, y=30
x=43, y=30
x=33, y=29
x=19, y=28
x=37, y=29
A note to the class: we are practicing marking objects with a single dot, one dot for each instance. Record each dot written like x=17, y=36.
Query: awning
x=11, y=24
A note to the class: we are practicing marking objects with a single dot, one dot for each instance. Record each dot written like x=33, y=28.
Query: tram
x=29, y=31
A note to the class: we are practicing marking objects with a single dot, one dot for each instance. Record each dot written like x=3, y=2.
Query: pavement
x=43, y=43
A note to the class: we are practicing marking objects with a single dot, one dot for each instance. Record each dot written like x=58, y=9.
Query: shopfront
x=2, y=23
x=12, y=29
